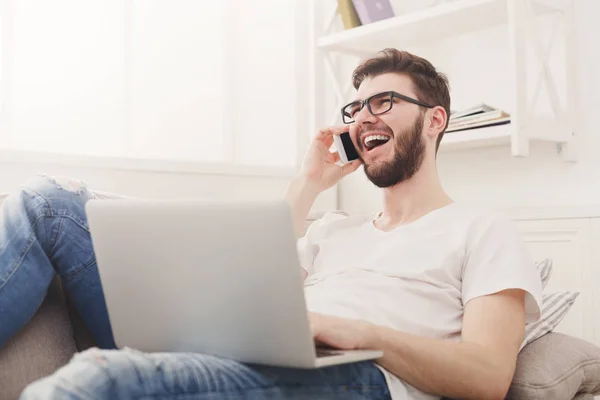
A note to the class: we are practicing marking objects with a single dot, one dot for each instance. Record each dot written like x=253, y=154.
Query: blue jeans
x=44, y=232
x=129, y=374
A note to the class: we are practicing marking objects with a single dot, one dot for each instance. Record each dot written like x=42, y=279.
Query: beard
x=408, y=157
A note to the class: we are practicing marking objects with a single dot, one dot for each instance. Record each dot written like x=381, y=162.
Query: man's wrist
x=373, y=337
x=303, y=189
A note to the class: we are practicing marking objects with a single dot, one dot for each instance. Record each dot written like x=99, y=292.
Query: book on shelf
x=479, y=116
x=348, y=14
x=478, y=125
x=477, y=109
x=373, y=10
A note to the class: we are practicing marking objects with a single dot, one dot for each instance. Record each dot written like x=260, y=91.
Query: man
x=444, y=290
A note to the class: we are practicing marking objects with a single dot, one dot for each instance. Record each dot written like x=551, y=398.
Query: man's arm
x=319, y=172
x=301, y=195
x=480, y=367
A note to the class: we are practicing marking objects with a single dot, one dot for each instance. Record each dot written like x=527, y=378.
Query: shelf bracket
x=526, y=123
x=570, y=148
x=564, y=119
x=543, y=56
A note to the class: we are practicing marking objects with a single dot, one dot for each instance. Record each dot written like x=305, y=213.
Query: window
x=184, y=80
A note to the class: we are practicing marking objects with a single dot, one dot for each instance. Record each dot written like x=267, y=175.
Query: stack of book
x=348, y=13
x=480, y=116
x=355, y=13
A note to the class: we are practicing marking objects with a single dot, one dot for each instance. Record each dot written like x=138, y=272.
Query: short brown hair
x=430, y=85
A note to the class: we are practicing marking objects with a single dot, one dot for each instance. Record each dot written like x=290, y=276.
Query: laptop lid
x=220, y=278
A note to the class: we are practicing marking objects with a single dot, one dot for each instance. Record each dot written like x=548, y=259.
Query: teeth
x=375, y=137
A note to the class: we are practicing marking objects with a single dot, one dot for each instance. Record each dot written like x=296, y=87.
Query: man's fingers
x=332, y=130
x=325, y=135
x=322, y=133
x=351, y=167
x=327, y=140
x=336, y=157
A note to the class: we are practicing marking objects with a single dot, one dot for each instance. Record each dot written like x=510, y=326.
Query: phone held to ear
x=345, y=147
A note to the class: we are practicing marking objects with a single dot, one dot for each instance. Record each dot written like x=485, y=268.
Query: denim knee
x=53, y=187
x=88, y=374
x=45, y=195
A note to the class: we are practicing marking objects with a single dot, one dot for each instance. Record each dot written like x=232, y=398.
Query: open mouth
x=372, y=141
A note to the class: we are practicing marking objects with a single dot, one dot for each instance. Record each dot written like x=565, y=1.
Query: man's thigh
x=112, y=374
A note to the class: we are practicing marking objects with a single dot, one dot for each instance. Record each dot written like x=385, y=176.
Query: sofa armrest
x=557, y=366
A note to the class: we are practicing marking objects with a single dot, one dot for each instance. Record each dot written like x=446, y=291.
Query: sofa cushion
x=556, y=366
x=44, y=345
x=544, y=267
x=555, y=306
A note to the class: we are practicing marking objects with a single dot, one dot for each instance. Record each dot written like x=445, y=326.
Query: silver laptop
x=220, y=278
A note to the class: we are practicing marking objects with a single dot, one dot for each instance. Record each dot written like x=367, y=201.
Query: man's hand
x=319, y=172
x=341, y=333
x=319, y=165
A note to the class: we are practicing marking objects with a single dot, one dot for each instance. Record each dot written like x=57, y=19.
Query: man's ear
x=437, y=121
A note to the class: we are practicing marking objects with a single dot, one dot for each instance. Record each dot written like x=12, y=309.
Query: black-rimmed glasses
x=377, y=104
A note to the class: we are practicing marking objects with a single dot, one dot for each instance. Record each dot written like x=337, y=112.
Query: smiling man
x=443, y=289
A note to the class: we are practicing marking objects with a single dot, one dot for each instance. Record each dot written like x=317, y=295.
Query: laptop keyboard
x=327, y=352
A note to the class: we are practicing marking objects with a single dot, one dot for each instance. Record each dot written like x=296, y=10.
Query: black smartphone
x=345, y=147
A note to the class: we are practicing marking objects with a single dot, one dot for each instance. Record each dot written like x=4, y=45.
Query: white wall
x=143, y=87
x=492, y=177
x=186, y=79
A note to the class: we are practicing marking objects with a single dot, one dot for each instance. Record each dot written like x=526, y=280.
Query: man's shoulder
x=478, y=215
x=485, y=223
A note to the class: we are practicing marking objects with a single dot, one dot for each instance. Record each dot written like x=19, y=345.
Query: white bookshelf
x=449, y=19
x=434, y=23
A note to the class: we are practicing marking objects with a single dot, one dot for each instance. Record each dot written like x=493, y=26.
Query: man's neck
x=410, y=200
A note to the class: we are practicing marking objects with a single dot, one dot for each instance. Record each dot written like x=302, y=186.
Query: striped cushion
x=545, y=268
x=554, y=306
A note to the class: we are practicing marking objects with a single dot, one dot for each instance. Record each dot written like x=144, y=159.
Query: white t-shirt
x=418, y=277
